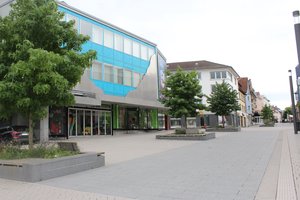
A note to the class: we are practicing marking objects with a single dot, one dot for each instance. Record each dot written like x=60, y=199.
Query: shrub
x=9, y=152
x=180, y=131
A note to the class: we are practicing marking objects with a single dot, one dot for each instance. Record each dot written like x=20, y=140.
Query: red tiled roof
x=243, y=82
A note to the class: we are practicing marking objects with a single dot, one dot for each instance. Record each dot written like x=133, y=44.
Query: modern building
x=209, y=74
x=119, y=91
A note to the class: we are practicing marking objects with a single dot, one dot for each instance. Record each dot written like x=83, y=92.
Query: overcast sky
x=255, y=37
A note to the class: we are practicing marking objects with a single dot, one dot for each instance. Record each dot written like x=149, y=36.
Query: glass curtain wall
x=89, y=122
x=126, y=118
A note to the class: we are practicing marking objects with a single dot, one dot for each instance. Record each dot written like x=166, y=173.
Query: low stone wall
x=237, y=129
x=34, y=170
x=205, y=136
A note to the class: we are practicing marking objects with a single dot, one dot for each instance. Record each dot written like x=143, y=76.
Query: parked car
x=24, y=132
x=7, y=134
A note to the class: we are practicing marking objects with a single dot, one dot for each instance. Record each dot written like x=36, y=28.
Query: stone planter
x=36, y=169
x=205, y=136
x=226, y=129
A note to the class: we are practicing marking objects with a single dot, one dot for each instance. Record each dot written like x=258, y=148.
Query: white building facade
x=209, y=75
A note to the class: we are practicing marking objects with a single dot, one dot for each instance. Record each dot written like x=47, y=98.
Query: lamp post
x=293, y=102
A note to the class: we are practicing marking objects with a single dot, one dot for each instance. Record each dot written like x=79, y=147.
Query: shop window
x=80, y=122
x=122, y=118
x=87, y=123
x=118, y=42
x=97, y=35
x=72, y=122
x=86, y=28
x=108, y=39
x=127, y=46
x=57, y=121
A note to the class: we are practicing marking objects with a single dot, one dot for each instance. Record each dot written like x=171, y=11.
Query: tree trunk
x=183, y=122
x=223, y=121
x=30, y=134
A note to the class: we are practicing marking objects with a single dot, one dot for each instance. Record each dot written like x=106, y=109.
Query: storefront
x=136, y=118
x=88, y=122
x=73, y=121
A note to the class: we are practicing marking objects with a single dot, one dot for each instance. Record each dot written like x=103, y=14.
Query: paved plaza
x=256, y=163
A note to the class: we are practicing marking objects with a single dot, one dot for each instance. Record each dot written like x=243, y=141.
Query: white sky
x=255, y=37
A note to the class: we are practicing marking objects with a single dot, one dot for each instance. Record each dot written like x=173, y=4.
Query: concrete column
x=44, y=129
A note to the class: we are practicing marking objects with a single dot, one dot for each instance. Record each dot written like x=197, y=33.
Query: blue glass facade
x=135, y=63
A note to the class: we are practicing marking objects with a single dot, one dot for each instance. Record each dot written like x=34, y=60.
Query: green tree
x=287, y=111
x=223, y=100
x=40, y=60
x=182, y=94
x=267, y=114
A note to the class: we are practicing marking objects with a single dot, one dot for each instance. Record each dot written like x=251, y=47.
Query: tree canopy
x=287, y=111
x=40, y=59
x=182, y=93
x=223, y=100
x=267, y=113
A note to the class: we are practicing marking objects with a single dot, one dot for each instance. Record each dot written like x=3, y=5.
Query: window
x=108, y=73
x=136, y=49
x=212, y=75
x=97, y=71
x=127, y=77
x=97, y=35
x=127, y=46
x=108, y=39
x=118, y=75
x=75, y=19
x=230, y=76
x=199, y=75
x=218, y=75
x=223, y=74
x=118, y=42
x=86, y=28
x=144, y=52
x=136, y=79
x=150, y=53
x=213, y=88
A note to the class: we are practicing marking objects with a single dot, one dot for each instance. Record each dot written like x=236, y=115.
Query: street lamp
x=293, y=102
